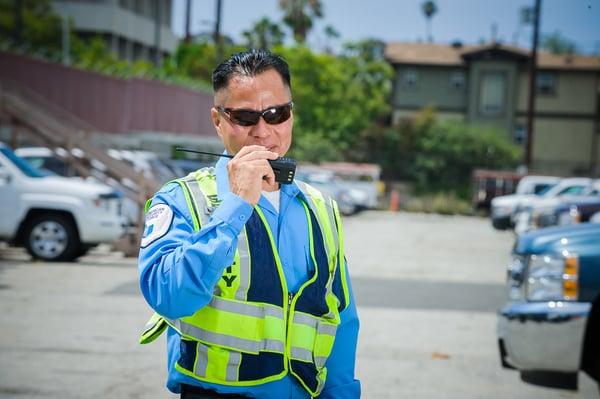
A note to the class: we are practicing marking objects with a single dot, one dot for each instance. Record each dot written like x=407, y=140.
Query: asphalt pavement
x=427, y=289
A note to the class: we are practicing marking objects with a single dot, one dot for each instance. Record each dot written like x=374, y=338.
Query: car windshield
x=22, y=164
x=545, y=190
x=540, y=189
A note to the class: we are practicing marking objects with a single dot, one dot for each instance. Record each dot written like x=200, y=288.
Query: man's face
x=253, y=93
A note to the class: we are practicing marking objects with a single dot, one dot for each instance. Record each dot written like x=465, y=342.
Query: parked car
x=53, y=217
x=325, y=181
x=361, y=180
x=572, y=211
x=569, y=190
x=46, y=160
x=187, y=166
x=503, y=207
x=145, y=162
x=549, y=328
x=54, y=162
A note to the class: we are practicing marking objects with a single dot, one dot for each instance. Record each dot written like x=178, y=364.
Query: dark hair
x=249, y=63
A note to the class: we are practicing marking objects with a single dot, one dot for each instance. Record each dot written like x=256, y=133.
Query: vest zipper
x=290, y=299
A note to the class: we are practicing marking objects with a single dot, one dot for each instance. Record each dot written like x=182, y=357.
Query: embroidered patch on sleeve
x=158, y=222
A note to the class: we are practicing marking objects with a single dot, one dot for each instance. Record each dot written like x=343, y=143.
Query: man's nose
x=261, y=129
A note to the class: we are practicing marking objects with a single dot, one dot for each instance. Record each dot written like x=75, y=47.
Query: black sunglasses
x=247, y=117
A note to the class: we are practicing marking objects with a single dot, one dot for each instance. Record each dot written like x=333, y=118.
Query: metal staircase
x=25, y=112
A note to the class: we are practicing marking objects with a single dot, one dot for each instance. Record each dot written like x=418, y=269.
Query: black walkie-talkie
x=283, y=168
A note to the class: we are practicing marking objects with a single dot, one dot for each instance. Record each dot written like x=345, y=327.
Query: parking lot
x=427, y=289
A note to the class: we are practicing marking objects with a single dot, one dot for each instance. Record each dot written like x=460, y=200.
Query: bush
x=442, y=203
x=438, y=156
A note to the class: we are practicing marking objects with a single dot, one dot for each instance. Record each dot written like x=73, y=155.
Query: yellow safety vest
x=254, y=331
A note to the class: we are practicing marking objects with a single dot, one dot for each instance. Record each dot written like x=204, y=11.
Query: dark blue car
x=549, y=329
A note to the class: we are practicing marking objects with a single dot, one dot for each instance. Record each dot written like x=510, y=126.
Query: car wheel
x=52, y=238
x=347, y=208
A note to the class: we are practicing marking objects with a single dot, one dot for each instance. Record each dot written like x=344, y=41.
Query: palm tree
x=429, y=8
x=264, y=34
x=299, y=15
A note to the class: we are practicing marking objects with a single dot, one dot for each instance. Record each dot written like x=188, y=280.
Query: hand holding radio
x=281, y=170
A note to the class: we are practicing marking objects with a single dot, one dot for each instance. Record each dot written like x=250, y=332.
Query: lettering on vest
x=228, y=277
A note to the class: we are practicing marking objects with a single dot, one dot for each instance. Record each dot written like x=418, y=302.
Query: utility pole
x=18, y=28
x=66, y=42
x=157, y=28
x=188, y=16
x=532, y=85
x=217, y=33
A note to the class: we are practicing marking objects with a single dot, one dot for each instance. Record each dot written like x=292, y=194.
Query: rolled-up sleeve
x=178, y=270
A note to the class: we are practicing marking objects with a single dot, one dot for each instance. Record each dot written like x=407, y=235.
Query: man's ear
x=216, y=120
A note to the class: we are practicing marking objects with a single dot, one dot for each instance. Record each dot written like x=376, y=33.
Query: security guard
x=248, y=277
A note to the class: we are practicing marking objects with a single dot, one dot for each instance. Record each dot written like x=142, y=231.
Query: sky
x=402, y=20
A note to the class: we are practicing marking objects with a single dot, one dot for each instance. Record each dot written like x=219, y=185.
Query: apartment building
x=132, y=29
x=489, y=84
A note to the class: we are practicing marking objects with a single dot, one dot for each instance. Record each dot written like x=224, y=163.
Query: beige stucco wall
x=575, y=93
x=433, y=87
x=561, y=146
x=398, y=115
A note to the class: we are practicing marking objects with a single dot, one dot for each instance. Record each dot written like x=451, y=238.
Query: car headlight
x=553, y=277
x=572, y=216
x=514, y=278
x=543, y=218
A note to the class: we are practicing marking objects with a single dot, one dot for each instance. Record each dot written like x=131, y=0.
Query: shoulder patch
x=158, y=221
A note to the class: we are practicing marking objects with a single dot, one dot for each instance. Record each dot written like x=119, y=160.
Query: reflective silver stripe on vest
x=334, y=232
x=201, y=360
x=198, y=200
x=306, y=191
x=245, y=308
x=305, y=319
x=233, y=366
x=203, y=211
x=244, y=253
x=320, y=361
x=301, y=354
x=228, y=341
x=326, y=329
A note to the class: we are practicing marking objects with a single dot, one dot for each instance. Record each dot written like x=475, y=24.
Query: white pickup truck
x=53, y=217
x=503, y=208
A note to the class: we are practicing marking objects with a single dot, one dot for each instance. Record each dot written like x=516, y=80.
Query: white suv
x=55, y=218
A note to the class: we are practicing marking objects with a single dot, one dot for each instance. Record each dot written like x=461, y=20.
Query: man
x=247, y=276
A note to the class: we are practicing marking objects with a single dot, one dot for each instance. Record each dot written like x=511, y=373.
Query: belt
x=193, y=392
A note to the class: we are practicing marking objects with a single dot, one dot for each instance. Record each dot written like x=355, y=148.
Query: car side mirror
x=5, y=177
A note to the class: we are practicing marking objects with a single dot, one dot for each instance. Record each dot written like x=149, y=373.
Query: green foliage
x=556, y=43
x=336, y=98
x=196, y=61
x=264, y=34
x=41, y=29
x=429, y=8
x=438, y=156
x=441, y=203
x=299, y=16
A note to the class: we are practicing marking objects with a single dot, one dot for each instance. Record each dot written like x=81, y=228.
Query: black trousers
x=192, y=392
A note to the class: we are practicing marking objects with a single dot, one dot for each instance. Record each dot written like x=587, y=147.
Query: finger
x=268, y=174
x=248, y=149
x=260, y=154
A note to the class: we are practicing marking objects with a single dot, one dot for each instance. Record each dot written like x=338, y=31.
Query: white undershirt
x=273, y=197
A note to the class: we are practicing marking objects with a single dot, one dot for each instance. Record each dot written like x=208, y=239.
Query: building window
x=546, y=83
x=520, y=134
x=410, y=79
x=493, y=93
x=457, y=80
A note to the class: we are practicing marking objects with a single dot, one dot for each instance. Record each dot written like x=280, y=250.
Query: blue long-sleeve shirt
x=179, y=269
